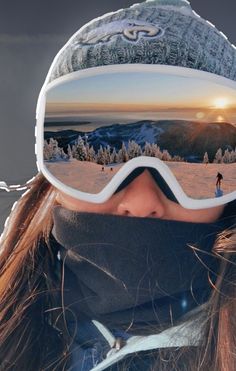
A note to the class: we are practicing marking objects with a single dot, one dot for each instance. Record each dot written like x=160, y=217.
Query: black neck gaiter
x=122, y=270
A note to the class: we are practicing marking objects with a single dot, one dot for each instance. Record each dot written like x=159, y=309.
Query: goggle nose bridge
x=160, y=181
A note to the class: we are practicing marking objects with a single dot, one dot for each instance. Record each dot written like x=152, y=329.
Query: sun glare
x=220, y=119
x=220, y=103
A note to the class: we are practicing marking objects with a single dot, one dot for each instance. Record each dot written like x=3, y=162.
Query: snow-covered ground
x=194, y=178
x=85, y=175
x=201, y=178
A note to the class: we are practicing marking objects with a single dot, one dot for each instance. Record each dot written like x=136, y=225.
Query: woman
x=81, y=281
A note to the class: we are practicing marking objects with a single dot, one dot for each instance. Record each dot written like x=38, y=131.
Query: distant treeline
x=82, y=151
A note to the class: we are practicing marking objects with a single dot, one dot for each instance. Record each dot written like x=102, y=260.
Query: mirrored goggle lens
x=94, y=125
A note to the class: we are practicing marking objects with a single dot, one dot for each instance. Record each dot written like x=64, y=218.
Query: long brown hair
x=33, y=334
x=28, y=284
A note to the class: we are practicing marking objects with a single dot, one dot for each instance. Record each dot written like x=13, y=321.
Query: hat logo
x=130, y=30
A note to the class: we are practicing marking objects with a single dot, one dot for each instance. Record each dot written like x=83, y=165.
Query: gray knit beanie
x=153, y=32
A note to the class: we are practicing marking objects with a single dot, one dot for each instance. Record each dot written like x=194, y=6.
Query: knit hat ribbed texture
x=165, y=32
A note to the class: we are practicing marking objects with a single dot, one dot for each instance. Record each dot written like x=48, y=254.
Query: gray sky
x=31, y=33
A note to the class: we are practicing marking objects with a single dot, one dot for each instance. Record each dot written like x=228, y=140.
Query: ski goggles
x=96, y=126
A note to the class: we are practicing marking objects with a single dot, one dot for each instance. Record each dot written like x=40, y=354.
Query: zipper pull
x=118, y=344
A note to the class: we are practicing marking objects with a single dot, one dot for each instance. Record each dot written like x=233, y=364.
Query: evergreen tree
x=227, y=157
x=166, y=156
x=218, y=157
x=157, y=151
x=63, y=155
x=206, y=158
x=101, y=156
x=233, y=156
x=122, y=154
x=69, y=152
x=105, y=155
x=108, y=154
x=114, y=156
x=134, y=149
x=80, y=152
x=87, y=148
x=91, y=155
x=51, y=151
x=148, y=150
x=177, y=158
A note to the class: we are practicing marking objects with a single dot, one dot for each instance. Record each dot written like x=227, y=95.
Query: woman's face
x=142, y=198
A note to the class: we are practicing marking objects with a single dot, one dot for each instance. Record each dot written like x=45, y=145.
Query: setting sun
x=220, y=103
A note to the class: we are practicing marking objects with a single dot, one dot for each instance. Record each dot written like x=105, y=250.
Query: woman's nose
x=142, y=198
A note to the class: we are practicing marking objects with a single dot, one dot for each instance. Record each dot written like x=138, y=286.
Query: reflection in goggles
x=94, y=125
x=193, y=151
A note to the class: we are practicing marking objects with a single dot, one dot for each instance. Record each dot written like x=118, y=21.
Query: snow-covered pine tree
x=108, y=154
x=177, y=158
x=156, y=151
x=101, y=159
x=63, y=155
x=73, y=150
x=134, y=149
x=233, y=156
x=122, y=154
x=80, y=152
x=147, y=151
x=91, y=155
x=166, y=156
x=114, y=156
x=226, y=157
x=218, y=157
x=69, y=152
x=51, y=151
x=205, y=158
x=87, y=151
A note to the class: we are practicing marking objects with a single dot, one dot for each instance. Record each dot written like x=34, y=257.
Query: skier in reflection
x=218, y=192
x=219, y=177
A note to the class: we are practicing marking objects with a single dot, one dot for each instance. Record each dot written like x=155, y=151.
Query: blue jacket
x=108, y=348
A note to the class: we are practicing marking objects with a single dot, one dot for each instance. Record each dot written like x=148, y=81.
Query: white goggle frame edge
x=141, y=161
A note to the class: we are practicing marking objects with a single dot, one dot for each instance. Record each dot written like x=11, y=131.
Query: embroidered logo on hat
x=131, y=30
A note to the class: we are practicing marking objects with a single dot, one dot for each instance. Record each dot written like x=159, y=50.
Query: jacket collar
x=188, y=333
